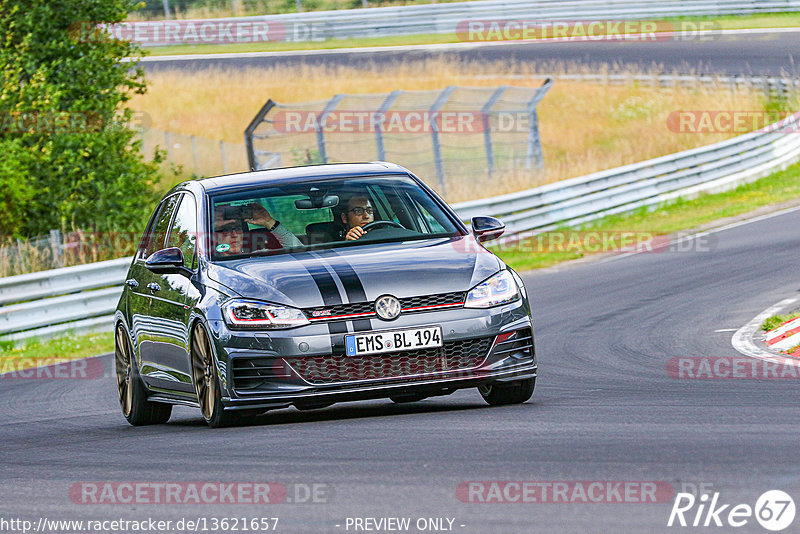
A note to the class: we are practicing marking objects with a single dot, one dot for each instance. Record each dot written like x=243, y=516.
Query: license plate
x=393, y=341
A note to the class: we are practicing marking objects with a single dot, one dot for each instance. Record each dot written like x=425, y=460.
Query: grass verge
x=776, y=320
x=38, y=353
x=683, y=214
x=731, y=22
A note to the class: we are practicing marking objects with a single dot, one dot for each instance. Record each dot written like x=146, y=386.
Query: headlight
x=251, y=314
x=499, y=289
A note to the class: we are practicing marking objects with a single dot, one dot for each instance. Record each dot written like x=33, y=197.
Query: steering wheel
x=375, y=224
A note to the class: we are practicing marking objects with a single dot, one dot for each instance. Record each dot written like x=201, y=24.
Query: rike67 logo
x=774, y=510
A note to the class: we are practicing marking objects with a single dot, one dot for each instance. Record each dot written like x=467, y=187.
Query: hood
x=358, y=273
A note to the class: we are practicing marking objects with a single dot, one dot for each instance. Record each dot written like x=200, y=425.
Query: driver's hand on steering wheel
x=354, y=233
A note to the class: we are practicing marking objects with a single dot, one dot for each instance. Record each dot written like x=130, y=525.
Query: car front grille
x=419, y=364
x=344, y=312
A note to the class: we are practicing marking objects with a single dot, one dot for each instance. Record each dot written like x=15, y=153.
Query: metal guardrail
x=445, y=18
x=711, y=168
x=83, y=298
x=50, y=303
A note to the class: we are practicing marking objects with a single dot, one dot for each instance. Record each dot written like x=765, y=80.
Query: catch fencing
x=192, y=154
x=459, y=132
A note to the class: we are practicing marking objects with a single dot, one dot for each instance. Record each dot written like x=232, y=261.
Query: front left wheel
x=138, y=411
x=206, y=380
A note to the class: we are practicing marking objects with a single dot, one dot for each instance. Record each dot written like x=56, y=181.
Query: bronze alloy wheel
x=132, y=393
x=124, y=371
x=203, y=370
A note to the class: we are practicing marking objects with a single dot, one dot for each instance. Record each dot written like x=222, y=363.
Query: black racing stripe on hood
x=352, y=284
x=330, y=297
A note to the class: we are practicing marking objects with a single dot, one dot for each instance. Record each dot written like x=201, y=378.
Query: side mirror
x=166, y=261
x=487, y=228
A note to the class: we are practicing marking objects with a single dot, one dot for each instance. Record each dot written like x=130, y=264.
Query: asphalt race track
x=605, y=409
x=768, y=53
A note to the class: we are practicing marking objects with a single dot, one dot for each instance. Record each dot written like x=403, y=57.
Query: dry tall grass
x=584, y=127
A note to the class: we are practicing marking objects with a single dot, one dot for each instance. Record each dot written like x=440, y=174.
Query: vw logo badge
x=387, y=307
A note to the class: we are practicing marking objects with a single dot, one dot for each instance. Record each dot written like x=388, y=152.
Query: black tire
x=138, y=411
x=206, y=381
x=403, y=399
x=499, y=393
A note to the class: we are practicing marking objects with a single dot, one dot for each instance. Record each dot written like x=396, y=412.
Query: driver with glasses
x=359, y=213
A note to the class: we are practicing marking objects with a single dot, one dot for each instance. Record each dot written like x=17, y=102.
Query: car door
x=173, y=298
x=146, y=320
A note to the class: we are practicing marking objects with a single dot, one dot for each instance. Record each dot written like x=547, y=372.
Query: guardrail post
x=320, y=125
x=437, y=149
x=487, y=126
x=378, y=118
x=534, y=142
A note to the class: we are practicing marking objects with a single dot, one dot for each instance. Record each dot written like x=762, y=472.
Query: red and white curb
x=745, y=339
x=785, y=337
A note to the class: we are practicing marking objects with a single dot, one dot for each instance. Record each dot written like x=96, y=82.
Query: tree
x=63, y=88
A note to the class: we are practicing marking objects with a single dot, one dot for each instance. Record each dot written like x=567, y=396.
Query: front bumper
x=307, y=366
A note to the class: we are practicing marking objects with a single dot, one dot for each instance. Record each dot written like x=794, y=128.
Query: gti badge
x=387, y=307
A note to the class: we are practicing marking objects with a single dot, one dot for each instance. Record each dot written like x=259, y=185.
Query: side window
x=155, y=241
x=141, y=252
x=382, y=205
x=183, y=233
x=435, y=226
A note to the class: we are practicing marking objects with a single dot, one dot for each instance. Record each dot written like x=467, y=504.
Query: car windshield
x=324, y=214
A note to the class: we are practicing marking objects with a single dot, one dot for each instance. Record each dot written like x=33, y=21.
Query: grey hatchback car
x=313, y=285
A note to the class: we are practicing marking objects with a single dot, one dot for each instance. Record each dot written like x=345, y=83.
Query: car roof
x=246, y=180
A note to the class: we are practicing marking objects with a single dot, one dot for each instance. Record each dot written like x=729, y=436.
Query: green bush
x=75, y=161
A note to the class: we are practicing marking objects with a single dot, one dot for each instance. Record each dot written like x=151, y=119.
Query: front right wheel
x=500, y=393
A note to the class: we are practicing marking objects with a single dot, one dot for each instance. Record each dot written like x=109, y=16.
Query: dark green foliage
x=63, y=89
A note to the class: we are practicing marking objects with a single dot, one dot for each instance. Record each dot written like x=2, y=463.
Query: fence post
x=487, y=126
x=378, y=119
x=320, y=125
x=249, y=133
x=441, y=100
x=222, y=153
x=55, y=246
x=166, y=142
x=534, y=142
x=194, y=154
